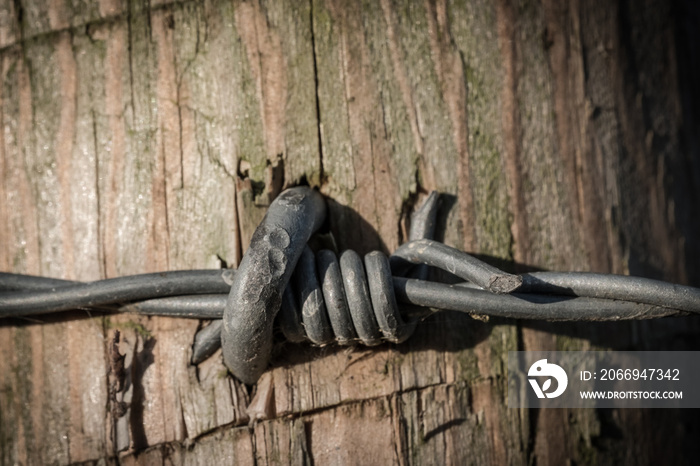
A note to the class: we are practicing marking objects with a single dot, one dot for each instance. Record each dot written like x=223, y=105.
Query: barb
x=460, y=263
x=256, y=292
x=347, y=300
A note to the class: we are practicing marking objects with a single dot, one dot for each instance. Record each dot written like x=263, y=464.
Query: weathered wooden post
x=145, y=136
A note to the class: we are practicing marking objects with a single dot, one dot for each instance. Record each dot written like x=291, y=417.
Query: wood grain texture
x=143, y=136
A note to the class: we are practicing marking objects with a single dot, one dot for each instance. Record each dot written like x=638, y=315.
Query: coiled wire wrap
x=352, y=303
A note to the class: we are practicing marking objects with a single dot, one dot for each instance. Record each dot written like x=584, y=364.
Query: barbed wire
x=325, y=299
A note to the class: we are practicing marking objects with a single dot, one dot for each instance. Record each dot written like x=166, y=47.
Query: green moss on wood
x=138, y=327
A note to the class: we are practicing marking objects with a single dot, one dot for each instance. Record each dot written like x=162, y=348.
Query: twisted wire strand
x=201, y=294
x=525, y=305
x=617, y=287
x=40, y=295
